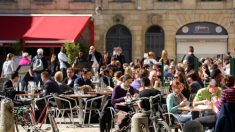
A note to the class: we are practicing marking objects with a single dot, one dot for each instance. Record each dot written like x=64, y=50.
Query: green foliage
x=72, y=49
x=17, y=47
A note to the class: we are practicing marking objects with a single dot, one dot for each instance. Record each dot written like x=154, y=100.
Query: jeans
x=37, y=78
x=183, y=117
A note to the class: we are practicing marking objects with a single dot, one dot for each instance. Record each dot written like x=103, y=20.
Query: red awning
x=43, y=28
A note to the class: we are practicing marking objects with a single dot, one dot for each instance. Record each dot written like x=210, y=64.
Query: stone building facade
x=139, y=26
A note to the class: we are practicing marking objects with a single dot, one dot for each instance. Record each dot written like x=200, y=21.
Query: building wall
x=138, y=16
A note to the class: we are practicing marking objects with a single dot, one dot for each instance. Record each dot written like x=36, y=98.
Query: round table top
x=101, y=92
x=28, y=94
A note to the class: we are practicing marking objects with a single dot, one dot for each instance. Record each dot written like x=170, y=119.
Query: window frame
x=82, y=0
x=43, y=0
x=122, y=1
x=3, y=1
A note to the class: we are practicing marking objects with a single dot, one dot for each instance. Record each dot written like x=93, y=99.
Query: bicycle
x=46, y=112
x=159, y=125
x=24, y=116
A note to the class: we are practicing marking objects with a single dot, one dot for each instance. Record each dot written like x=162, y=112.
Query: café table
x=28, y=95
x=100, y=92
x=200, y=108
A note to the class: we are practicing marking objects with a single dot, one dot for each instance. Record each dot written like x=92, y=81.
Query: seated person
x=204, y=96
x=107, y=78
x=49, y=86
x=175, y=100
x=69, y=80
x=9, y=87
x=84, y=83
x=121, y=92
x=193, y=126
x=147, y=92
x=65, y=89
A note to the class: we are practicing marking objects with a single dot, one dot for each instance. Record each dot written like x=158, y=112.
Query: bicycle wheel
x=161, y=126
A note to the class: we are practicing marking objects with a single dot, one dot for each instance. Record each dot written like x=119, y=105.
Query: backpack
x=37, y=64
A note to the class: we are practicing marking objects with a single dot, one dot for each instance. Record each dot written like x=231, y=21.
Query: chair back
x=2, y=80
x=58, y=101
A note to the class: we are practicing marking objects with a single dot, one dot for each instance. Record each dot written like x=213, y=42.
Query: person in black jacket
x=71, y=77
x=94, y=56
x=191, y=59
x=9, y=86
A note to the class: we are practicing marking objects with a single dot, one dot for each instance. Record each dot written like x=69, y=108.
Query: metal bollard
x=139, y=122
x=6, y=116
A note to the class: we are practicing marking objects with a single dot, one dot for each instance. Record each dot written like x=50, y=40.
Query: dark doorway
x=119, y=36
x=154, y=40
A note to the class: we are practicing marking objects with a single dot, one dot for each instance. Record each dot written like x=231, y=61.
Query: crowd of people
x=192, y=81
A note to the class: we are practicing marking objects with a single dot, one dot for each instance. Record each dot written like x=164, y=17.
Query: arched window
x=154, y=40
x=119, y=36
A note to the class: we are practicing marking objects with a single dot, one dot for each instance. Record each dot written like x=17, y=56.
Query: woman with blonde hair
x=63, y=87
x=164, y=58
x=9, y=66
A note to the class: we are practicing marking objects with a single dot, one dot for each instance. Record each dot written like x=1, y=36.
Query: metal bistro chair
x=171, y=120
x=91, y=108
x=61, y=109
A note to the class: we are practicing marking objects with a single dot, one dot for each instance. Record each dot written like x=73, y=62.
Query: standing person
x=79, y=59
x=63, y=61
x=94, y=57
x=39, y=64
x=24, y=61
x=118, y=55
x=8, y=66
x=54, y=66
x=191, y=59
x=105, y=60
x=164, y=58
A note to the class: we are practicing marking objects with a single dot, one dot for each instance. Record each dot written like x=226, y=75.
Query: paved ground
x=67, y=128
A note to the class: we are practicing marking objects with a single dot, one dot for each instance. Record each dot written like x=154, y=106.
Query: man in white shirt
x=63, y=61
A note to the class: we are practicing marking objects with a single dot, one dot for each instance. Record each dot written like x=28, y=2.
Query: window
x=168, y=0
x=7, y=0
x=82, y=0
x=211, y=0
x=121, y=0
x=43, y=0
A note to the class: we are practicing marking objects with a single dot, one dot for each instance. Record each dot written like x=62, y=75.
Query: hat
x=213, y=82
